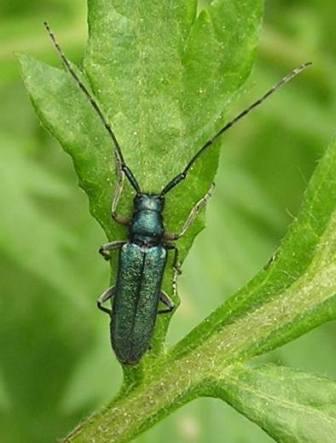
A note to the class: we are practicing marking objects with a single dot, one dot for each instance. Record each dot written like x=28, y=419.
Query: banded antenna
x=182, y=175
x=125, y=169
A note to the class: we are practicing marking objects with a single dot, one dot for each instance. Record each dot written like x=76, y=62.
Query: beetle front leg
x=122, y=220
x=105, y=249
x=191, y=217
x=107, y=295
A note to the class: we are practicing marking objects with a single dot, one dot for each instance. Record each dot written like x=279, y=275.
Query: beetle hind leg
x=107, y=295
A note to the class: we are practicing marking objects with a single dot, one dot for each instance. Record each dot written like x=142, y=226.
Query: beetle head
x=150, y=202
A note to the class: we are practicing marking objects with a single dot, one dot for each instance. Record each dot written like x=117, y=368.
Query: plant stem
x=126, y=417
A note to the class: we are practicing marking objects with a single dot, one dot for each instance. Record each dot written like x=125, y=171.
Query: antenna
x=124, y=168
x=176, y=180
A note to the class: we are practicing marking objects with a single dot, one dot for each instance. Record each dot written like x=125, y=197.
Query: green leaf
x=164, y=96
x=291, y=406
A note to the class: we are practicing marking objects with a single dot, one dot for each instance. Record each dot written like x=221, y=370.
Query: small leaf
x=291, y=406
x=164, y=77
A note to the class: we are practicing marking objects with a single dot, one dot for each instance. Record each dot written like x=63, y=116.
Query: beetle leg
x=107, y=295
x=122, y=220
x=177, y=272
x=176, y=263
x=191, y=217
x=105, y=249
x=166, y=301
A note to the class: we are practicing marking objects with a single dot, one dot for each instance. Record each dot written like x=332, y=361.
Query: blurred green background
x=56, y=365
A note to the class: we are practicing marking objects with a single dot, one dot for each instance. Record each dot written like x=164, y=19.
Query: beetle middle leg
x=177, y=271
x=107, y=295
x=121, y=219
x=191, y=217
x=176, y=263
x=166, y=301
x=164, y=297
x=105, y=249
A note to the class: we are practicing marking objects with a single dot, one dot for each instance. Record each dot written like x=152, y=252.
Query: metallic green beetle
x=143, y=256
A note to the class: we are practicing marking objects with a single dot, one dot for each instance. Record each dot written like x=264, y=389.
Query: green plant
x=163, y=76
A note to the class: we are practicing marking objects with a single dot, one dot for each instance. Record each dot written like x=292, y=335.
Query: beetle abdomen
x=136, y=300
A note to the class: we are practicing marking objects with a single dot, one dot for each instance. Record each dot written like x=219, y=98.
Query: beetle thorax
x=147, y=225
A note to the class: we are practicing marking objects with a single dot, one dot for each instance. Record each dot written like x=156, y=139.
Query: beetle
x=143, y=255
